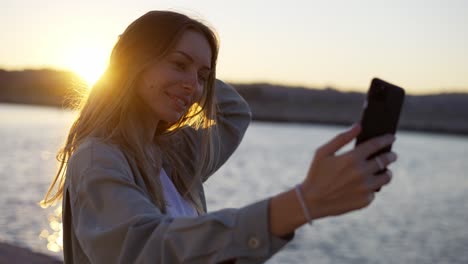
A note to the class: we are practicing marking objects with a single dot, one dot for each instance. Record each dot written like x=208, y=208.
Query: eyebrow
x=190, y=58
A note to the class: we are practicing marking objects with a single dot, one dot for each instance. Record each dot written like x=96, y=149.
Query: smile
x=179, y=102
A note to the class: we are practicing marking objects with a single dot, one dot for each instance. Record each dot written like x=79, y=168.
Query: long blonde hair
x=112, y=111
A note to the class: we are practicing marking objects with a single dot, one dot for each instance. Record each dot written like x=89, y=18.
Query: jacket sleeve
x=233, y=118
x=115, y=222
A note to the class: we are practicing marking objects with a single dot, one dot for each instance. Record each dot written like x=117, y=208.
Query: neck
x=150, y=124
x=145, y=115
x=150, y=127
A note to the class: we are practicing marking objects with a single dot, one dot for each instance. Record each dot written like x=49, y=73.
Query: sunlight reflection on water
x=54, y=234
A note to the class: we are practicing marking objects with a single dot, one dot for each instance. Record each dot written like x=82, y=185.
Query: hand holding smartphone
x=381, y=113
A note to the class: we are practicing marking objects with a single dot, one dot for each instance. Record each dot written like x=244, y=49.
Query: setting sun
x=88, y=62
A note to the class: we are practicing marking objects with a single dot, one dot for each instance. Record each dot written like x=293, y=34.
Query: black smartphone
x=381, y=112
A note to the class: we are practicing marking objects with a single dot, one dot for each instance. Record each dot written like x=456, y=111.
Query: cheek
x=166, y=80
x=148, y=91
x=145, y=97
x=157, y=78
x=197, y=96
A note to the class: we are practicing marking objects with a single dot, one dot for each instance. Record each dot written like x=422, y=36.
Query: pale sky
x=419, y=45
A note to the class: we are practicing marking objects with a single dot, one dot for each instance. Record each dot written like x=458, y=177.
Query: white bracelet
x=303, y=205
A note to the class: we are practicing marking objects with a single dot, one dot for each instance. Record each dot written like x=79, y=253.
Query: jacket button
x=253, y=243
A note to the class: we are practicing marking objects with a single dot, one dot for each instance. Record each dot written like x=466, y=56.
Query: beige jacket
x=108, y=216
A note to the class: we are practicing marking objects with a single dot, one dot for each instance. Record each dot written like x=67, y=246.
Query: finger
x=373, y=145
x=339, y=141
x=366, y=183
x=379, y=163
x=378, y=181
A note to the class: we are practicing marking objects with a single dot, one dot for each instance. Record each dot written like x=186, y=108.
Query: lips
x=180, y=101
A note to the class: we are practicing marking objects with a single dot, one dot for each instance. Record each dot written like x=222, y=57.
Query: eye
x=204, y=75
x=180, y=65
x=202, y=78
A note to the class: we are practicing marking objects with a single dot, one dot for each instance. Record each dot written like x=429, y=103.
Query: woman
x=153, y=129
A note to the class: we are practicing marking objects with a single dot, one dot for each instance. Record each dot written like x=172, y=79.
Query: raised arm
x=233, y=118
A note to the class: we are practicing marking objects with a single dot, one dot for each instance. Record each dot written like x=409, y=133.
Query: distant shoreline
x=434, y=113
x=440, y=113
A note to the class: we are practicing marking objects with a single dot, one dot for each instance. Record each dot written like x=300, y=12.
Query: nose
x=191, y=83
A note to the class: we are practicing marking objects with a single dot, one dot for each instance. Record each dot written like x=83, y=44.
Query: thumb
x=339, y=141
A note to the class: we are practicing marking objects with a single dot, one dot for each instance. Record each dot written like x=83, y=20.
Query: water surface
x=422, y=217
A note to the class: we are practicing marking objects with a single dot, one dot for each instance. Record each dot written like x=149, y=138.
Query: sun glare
x=88, y=63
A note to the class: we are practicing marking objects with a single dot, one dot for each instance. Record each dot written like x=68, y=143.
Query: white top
x=176, y=205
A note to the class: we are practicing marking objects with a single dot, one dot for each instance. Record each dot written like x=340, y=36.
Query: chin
x=173, y=119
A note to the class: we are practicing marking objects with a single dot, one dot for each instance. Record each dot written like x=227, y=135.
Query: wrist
x=311, y=199
x=302, y=203
x=285, y=213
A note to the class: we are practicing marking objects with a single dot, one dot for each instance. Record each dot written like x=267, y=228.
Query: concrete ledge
x=15, y=254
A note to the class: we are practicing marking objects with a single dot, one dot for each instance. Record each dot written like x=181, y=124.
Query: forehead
x=195, y=45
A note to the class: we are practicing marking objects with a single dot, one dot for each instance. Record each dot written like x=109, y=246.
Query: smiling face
x=174, y=83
